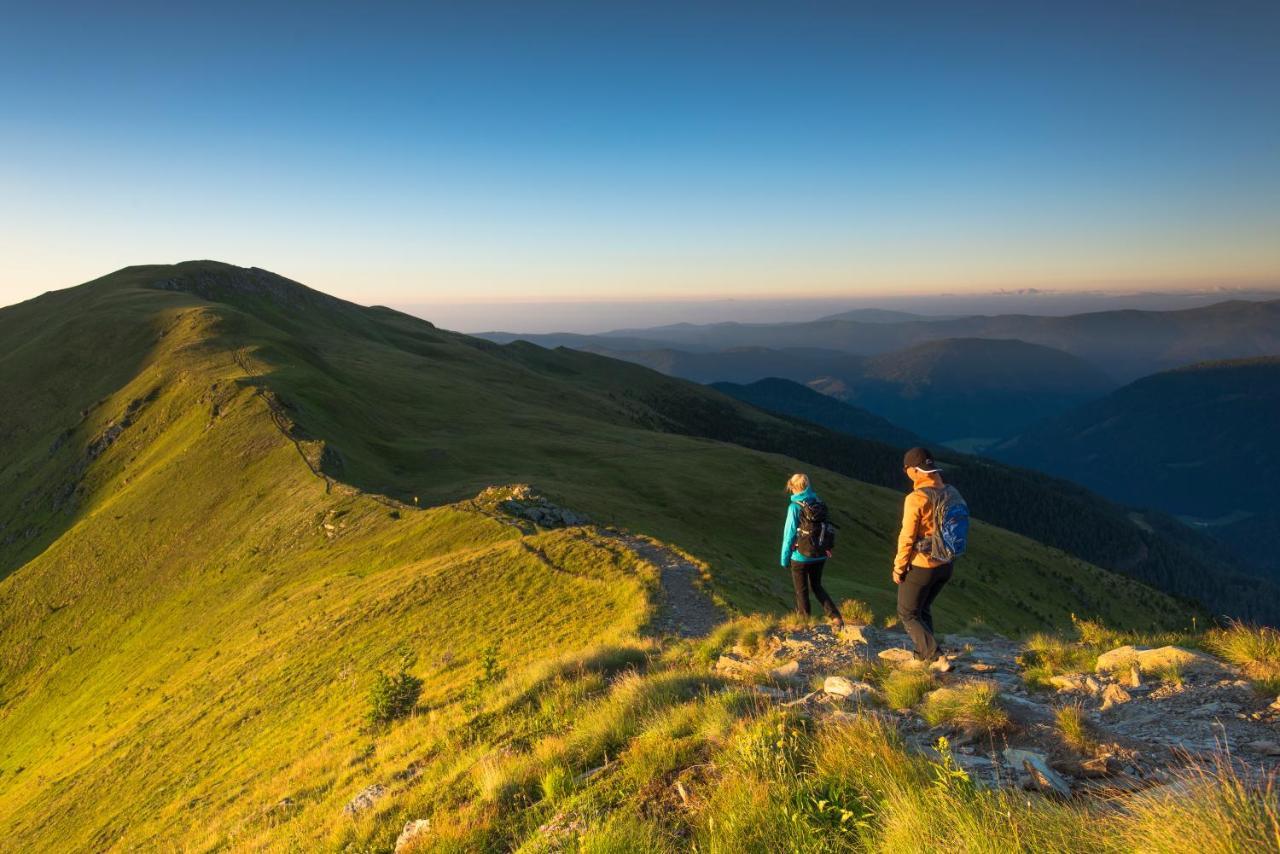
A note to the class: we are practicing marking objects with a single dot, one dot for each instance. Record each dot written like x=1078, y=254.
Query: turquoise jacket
x=789, y=552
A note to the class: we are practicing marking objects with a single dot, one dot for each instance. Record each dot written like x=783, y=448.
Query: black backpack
x=815, y=534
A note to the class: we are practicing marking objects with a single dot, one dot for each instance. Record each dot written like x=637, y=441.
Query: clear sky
x=416, y=154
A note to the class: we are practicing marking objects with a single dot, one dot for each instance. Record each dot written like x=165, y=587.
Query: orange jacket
x=917, y=523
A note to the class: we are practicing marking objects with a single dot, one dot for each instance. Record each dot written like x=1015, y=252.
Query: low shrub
x=392, y=697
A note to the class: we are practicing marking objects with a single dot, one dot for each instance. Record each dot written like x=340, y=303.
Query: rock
x=982, y=666
x=1150, y=660
x=1266, y=747
x=1134, y=679
x=365, y=800
x=413, y=830
x=1275, y=705
x=1114, y=695
x=1093, y=686
x=770, y=692
x=842, y=687
x=1067, y=682
x=800, y=701
x=790, y=670
x=733, y=666
x=857, y=634
x=940, y=665
x=897, y=656
x=1042, y=776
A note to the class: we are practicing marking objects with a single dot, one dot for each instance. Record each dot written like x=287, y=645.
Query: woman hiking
x=806, y=569
x=935, y=525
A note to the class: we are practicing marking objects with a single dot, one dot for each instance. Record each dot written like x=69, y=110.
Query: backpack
x=815, y=534
x=950, y=524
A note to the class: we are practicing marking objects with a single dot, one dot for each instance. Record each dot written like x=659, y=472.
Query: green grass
x=1256, y=649
x=193, y=614
x=904, y=689
x=1074, y=728
x=974, y=706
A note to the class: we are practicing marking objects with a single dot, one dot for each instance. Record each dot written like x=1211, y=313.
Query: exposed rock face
x=1139, y=736
x=522, y=501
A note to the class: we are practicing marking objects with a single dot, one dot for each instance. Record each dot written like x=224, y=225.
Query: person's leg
x=815, y=584
x=911, y=594
x=941, y=575
x=800, y=581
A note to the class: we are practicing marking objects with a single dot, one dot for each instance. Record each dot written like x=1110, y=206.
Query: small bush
x=392, y=697
x=904, y=689
x=1170, y=673
x=491, y=671
x=1045, y=656
x=557, y=784
x=975, y=706
x=1074, y=728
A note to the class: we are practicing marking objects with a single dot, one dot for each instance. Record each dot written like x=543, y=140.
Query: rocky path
x=684, y=609
x=1141, y=727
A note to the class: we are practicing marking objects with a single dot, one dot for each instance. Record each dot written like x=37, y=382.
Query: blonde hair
x=799, y=482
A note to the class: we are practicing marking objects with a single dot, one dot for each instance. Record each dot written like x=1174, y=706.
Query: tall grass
x=904, y=689
x=974, y=706
x=1255, y=649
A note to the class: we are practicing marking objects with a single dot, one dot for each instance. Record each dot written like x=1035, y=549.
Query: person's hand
x=899, y=573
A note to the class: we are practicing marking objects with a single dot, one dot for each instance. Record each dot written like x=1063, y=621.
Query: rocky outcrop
x=522, y=502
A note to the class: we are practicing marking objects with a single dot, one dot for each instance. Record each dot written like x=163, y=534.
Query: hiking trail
x=684, y=609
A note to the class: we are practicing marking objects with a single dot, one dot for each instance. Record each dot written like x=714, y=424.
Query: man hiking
x=935, y=527
x=807, y=539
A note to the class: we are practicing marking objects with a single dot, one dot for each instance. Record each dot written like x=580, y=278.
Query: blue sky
x=461, y=152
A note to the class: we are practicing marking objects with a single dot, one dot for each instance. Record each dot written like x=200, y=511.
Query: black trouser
x=915, y=599
x=807, y=577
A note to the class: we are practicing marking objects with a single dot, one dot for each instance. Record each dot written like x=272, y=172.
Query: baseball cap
x=920, y=458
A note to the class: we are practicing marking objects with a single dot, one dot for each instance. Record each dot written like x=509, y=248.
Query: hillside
x=968, y=387
x=1198, y=442
x=790, y=398
x=1124, y=344
x=230, y=500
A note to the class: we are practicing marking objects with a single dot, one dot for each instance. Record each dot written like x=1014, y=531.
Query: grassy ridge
x=196, y=602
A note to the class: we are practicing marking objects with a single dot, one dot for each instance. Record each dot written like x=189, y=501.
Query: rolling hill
x=230, y=500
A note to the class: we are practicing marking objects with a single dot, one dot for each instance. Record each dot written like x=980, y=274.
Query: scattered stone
x=1068, y=682
x=842, y=687
x=1114, y=695
x=897, y=656
x=1275, y=705
x=982, y=666
x=1266, y=747
x=1037, y=767
x=365, y=800
x=1093, y=686
x=733, y=666
x=790, y=670
x=770, y=692
x=413, y=830
x=800, y=701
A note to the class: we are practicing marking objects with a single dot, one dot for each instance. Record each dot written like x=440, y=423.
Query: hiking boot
x=837, y=623
x=940, y=665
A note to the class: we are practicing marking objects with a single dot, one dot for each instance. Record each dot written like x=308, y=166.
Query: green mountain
x=785, y=397
x=229, y=500
x=1196, y=442
x=968, y=387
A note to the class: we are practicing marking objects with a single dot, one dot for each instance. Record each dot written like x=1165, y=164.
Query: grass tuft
x=1254, y=649
x=1074, y=728
x=974, y=706
x=904, y=689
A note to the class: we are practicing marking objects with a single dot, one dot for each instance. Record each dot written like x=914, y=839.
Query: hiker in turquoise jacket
x=806, y=572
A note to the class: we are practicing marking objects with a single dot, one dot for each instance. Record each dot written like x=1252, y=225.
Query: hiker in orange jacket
x=919, y=577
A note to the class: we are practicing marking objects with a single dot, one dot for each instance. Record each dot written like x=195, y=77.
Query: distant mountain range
x=784, y=397
x=1123, y=344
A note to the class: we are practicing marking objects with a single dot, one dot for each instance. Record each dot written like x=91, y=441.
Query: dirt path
x=684, y=609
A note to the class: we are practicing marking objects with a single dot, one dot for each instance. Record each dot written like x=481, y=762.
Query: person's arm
x=789, y=535
x=907, y=536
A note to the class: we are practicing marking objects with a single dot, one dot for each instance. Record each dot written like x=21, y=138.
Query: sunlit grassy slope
x=195, y=600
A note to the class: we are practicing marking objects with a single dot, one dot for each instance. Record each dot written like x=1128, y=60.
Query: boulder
x=1037, y=767
x=897, y=656
x=368, y=796
x=1149, y=660
x=842, y=687
x=1075, y=683
x=413, y=831
x=1114, y=695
